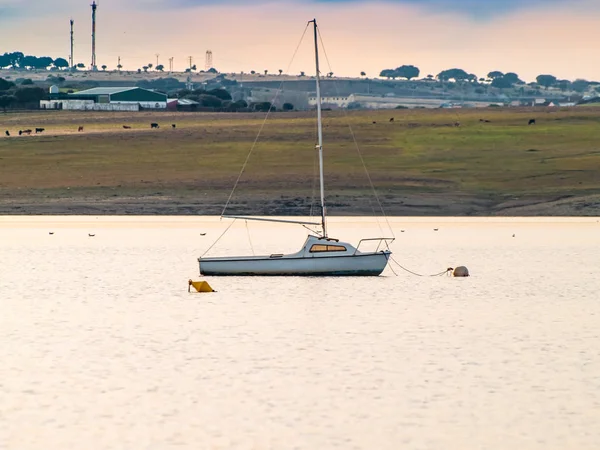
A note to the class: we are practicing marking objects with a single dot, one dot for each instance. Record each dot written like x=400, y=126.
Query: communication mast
x=209, y=60
x=71, y=59
x=171, y=64
x=94, y=6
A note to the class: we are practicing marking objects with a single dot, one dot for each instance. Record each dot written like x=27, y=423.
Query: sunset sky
x=561, y=37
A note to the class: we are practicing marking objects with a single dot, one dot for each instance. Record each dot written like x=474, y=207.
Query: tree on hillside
x=363, y=74
x=266, y=71
x=81, y=66
x=6, y=101
x=61, y=63
x=280, y=71
x=287, y=107
x=253, y=72
x=580, y=85
x=145, y=68
x=210, y=101
x=220, y=93
x=512, y=78
x=119, y=67
x=407, y=72
x=5, y=85
x=495, y=74
x=564, y=85
x=502, y=83
x=104, y=67
x=27, y=82
x=388, y=73
x=430, y=77
x=453, y=74
x=194, y=67
x=160, y=68
x=30, y=94
x=150, y=66
x=302, y=74
x=546, y=80
x=4, y=61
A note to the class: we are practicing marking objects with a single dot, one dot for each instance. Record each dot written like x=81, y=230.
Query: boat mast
x=320, y=130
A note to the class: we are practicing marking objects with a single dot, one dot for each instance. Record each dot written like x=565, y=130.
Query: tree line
x=495, y=78
x=25, y=95
x=18, y=60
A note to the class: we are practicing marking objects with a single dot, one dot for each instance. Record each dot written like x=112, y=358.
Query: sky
x=529, y=37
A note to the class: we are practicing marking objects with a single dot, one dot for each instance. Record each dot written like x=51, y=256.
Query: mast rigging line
x=345, y=112
x=279, y=90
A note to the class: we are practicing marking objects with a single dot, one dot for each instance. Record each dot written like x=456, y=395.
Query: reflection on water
x=102, y=347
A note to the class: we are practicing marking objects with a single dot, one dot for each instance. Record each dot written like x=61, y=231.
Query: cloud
x=473, y=8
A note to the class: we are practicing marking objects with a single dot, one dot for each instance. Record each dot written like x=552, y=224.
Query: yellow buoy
x=200, y=286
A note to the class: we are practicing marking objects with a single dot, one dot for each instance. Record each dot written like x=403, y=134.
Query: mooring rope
x=445, y=272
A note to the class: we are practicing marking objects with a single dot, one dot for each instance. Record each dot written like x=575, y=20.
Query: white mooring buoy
x=460, y=271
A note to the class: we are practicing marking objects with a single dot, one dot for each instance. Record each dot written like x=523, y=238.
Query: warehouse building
x=107, y=99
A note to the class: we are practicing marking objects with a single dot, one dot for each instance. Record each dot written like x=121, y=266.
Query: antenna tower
x=190, y=60
x=71, y=59
x=94, y=6
x=171, y=64
x=209, y=60
x=157, y=55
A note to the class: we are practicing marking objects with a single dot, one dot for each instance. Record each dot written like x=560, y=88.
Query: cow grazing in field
x=457, y=124
x=391, y=119
x=7, y=133
x=127, y=127
x=374, y=122
x=79, y=129
x=28, y=132
x=173, y=125
x=154, y=125
x=39, y=130
x=531, y=122
x=484, y=120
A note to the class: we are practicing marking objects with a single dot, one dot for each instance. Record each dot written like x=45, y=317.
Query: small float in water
x=200, y=286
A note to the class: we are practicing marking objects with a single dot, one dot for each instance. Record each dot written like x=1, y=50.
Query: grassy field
x=421, y=163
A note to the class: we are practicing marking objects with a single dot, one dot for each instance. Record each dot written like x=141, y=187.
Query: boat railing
x=382, y=241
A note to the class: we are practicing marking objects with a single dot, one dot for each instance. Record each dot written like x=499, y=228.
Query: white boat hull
x=364, y=264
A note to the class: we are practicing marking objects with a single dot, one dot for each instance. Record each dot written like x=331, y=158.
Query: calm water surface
x=102, y=347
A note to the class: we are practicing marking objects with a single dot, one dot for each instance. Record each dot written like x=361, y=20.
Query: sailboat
x=321, y=255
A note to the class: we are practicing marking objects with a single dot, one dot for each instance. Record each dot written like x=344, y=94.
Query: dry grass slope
x=421, y=163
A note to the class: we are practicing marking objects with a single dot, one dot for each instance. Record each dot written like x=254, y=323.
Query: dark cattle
x=484, y=120
x=457, y=124
x=7, y=133
x=531, y=122
x=127, y=127
x=173, y=125
x=154, y=125
x=20, y=132
x=374, y=122
x=26, y=132
x=80, y=129
x=391, y=119
x=39, y=130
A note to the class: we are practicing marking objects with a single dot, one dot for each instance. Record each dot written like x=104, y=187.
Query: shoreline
x=421, y=205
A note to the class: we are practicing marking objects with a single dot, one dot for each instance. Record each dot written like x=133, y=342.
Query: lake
x=102, y=346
